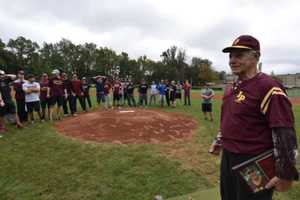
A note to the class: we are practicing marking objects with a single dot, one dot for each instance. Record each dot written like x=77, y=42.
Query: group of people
x=57, y=96
x=38, y=96
x=124, y=91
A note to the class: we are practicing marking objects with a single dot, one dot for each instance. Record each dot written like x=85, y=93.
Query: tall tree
x=25, y=51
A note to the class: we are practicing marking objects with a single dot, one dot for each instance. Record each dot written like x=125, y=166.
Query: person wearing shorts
x=207, y=94
x=8, y=107
x=32, y=99
x=178, y=91
x=56, y=90
x=44, y=98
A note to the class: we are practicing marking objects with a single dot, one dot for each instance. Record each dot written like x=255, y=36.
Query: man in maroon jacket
x=56, y=93
x=78, y=94
x=256, y=116
x=20, y=96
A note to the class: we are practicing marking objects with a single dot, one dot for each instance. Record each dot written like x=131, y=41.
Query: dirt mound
x=126, y=126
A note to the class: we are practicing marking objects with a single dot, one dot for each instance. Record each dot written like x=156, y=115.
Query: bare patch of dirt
x=129, y=126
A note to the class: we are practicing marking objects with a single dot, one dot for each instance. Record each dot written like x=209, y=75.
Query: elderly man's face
x=241, y=61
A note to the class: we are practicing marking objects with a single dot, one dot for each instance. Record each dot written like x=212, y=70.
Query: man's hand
x=280, y=185
x=215, y=148
x=2, y=104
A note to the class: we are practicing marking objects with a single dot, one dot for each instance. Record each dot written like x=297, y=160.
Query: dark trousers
x=88, y=99
x=21, y=110
x=187, y=99
x=232, y=188
x=65, y=106
x=81, y=101
x=131, y=100
x=69, y=101
x=100, y=97
x=143, y=99
x=168, y=98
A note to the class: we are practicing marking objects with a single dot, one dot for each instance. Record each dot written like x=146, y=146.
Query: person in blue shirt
x=162, y=93
x=98, y=80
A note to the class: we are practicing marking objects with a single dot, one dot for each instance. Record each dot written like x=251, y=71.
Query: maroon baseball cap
x=244, y=42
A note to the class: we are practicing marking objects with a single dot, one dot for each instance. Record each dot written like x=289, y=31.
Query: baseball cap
x=244, y=42
x=55, y=71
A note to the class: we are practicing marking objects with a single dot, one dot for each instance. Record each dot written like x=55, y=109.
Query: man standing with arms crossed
x=56, y=92
x=256, y=116
x=20, y=96
x=32, y=91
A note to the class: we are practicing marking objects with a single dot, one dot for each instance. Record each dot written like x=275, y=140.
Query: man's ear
x=257, y=55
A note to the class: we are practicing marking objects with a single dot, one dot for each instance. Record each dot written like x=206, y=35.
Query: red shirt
x=249, y=112
x=106, y=88
x=187, y=87
x=43, y=93
x=77, y=87
x=117, y=87
x=19, y=92
x=56, y=86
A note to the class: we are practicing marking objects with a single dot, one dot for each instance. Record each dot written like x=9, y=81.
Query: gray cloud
x=217, y=35
x=149, y=27
x=96, y=16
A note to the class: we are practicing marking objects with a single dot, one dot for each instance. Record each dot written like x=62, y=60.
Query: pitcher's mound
x=128, y=126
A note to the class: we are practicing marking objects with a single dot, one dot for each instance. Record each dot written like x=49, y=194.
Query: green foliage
x=89, y=60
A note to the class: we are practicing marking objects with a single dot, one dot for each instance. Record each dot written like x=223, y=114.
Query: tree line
x=89, y=60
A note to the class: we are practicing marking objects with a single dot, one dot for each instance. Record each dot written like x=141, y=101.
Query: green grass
x=37, y=163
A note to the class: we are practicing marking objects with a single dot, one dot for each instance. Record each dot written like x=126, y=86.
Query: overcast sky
x=148, y=27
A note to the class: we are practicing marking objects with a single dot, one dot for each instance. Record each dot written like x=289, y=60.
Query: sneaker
x=32, y=122
x=75, y=115
x=1, y=136
x=43, y=121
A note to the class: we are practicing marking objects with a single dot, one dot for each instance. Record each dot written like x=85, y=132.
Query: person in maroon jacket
x=256, y=116
x=20, y=96
x=56, y=93
x=107, y=87
x=116, y=93
x=44, y=97
x=78, y=93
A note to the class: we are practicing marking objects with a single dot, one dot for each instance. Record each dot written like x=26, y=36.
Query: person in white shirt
x=32, y=97
x=153, y=92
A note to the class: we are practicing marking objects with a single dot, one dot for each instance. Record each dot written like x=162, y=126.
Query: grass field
x=37, y=163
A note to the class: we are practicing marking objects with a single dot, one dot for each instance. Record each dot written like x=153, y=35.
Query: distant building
x=230, y=78
x=290, y=80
